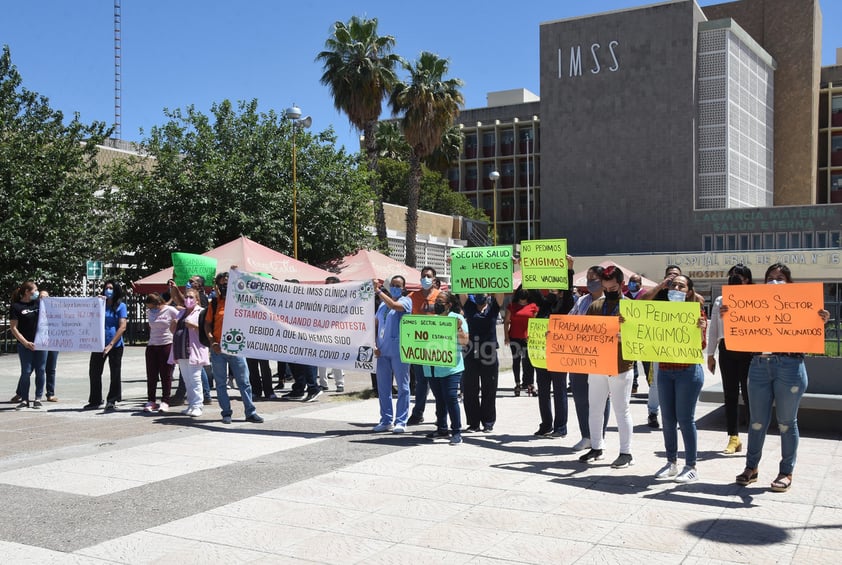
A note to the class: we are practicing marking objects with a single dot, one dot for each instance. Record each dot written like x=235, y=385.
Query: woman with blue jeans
x=445, y=381
x=23, y=322
x=679, y=386
x=779, y=379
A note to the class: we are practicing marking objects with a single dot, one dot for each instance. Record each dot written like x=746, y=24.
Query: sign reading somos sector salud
x=481, y=269
x=430, y=340
x=536, y=343
x=583, y=344
x=326, y=325
x=186, y=265
x=71, y=324
x=656, y=330
x=774, y=317
x=543, y=263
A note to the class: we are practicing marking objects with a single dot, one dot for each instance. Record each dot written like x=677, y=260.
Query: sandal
x=782, y=483
x=747, y=477
x=530, y=390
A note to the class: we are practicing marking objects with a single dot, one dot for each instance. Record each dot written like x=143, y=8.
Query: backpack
x=203, y=335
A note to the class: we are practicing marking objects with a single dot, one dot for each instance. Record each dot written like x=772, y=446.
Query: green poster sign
x=543, y=263
x=186, y=265
x=429, y=340
x=481, y=269
x=536, y=344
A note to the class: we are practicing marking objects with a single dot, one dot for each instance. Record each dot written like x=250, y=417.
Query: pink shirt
x=199, y=354
x=159, y=325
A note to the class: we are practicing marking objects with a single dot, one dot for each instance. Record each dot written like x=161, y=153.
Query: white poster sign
x=71, y=324
x=329, y=325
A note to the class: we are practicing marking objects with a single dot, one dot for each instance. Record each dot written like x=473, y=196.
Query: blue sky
x=182, y=52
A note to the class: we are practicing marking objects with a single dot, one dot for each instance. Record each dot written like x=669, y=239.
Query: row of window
x=768, y=241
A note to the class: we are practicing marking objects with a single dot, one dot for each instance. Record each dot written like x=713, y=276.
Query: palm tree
x=359, y=71
x=447, y=152
x=391, y=142
x=429, y=104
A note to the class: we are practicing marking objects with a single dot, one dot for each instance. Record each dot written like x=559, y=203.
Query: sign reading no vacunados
x=71, y=324
x=429, y=340
x=481, y=269
x=325, y=325
x=543, y=263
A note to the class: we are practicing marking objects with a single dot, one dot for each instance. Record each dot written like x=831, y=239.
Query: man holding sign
x=394, y=306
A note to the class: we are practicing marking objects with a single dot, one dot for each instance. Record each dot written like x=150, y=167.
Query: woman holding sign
x=189, y=352
x=115, y=326
x=482, y=366
x=515, y=323
x=23, y=322
x=779, y=379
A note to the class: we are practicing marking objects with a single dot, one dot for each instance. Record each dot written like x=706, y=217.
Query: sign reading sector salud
x=186, y=265
x=71, y=324
x=481, y=269
x=429, y=340
x=543, y=263
x=783, y=318
x=326, y=325
x=656, y=330
x=536, y=344
x=583, y=344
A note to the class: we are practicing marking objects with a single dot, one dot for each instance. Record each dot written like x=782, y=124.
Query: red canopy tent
x=366, y=264
x=249, y=256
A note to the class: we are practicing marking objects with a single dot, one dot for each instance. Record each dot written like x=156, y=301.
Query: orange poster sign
x=778, y=318
x=583, y=344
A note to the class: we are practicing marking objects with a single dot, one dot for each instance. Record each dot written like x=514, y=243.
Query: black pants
x=95, y=368
x=260, y=378
x=519, y=355
x=734, y=368
x=479, y=387
x=558, y=381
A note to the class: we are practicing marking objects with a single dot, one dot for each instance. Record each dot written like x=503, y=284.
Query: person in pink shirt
x=189, y=352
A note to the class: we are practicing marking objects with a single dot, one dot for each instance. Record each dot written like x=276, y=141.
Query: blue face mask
x=396, y=292
x=34, y=296
x=676, y=296
x=109, y=292
x=426, y=283
x=634, y=286
x=594, y=286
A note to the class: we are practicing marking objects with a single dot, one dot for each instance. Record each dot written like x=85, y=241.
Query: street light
x=294, y=115
x=493, y=176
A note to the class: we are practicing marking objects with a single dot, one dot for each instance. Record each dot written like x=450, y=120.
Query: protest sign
x=536, y=344
x=543, y=263
x=71, y=324
x=430, y=340
x=481, y=269
x=325, y=325
x=656, y=330
x=583, y=344
x=781, y=318
x=186, y=265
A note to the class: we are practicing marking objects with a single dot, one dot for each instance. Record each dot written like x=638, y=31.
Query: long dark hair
x=117, y=297
x=784, y=271
x=20, y=292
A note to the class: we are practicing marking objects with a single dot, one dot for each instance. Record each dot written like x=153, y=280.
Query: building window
x=707, y=242
x=744, y=243
x=471, y=146
x=768, y=241
x=488, y=141
x=834, y=239
x=807, y=240
x=732, y=242
x=719, y=243
x=821, y=239
x=507, y=142
x=756, y=241
x=795, y=240
x=782, y=241
x=836, y=110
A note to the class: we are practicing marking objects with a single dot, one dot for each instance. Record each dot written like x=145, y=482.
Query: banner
x=583, y=344
x=186, y=265
x=543, y=263
x=781, y=318
x=325, y=325
x=536, y=344
x=430, y=340
x=71, y=324
x=656, y=330
x=481, y=269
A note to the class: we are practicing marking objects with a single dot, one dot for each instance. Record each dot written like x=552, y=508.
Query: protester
x=482, y=365
x=635, y=290
x=52, y=364
x=778, y=379
x=733, y=365
x=423, y=302
x=515, y=323
x=260, y=378
x=158, y=367
x=196, y=282
x=23, y=323
x=115, y=325
x=189, y=352
x=337, y=374
x=394, y=306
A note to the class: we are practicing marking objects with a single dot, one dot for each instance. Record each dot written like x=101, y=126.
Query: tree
x=447, y=152
x=211, y=179
x=429, y=104
x=359, y=71
x=51, y=219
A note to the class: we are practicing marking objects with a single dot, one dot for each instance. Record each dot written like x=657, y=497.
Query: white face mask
x=676, y=296
x=426, y=283
x=774, y=281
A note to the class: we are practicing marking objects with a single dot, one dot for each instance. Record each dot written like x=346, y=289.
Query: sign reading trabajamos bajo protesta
x=430, y=340
x=325, y=325
x=656, y=330
x=583, y=344
x=543, y=263
x=781, y=318
x=481, y=269
x=536, y=343
x=70, y=324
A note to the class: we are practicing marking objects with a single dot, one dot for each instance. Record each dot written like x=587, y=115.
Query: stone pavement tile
x=608, y=555
x=384, y=528
x=490, y=478
x=316, y=492
x=823, y=529
x=753, y=552
x=53, y=478
x=411, y=555
x=586, y=507
x=336, y=549
x=299, y=514
x=424, y=508
x=148, y=547
x=826, y=516
x=651, y=538
x=474, y=540
x=818, y=555
x=544, y=501
x=500, y=520
x=529, y=548
x=466, y=494
x=765, y=507
x=751, y=531
x=382, y=467
x=575, y=528
x=673, y=516
x=18, y=553
x=693, y=560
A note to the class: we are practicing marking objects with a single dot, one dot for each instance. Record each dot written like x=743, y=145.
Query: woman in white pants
x=189, y=352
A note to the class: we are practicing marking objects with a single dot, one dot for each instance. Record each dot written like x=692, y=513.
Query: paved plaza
x=313, y=484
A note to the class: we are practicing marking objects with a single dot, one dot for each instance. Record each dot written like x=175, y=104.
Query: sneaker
x=207, y=401
x=582, y=444
x=653, y=421
x=294, y=396
x=471, y=430
x=438, y=434
x=668, y=471
x=52, y=399
x=163, y=407
x=592, y=456
x=255, y=419
x=488, y=428
x=455, y=439
x=110, y=406
x=558, y=434
x=623, y=461
x=687, y=475
x=382, y=427
x=324, y=388
x=150, y=407
x=91, y=406
x=36, y=404
x=312, y=396
x=340, y=388
x=415, y=420
x=22, y=404
x=399, y=429
x=543, y=432
x=226, y=419
x=193, y=412
x=634, y=389
x=15, y=398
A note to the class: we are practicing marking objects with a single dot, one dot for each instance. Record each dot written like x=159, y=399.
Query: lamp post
x=294, y=115
x=493, y=176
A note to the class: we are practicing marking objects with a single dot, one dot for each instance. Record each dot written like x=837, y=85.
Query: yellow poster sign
x=536, y=345
x=543, y=263
x=654, y=330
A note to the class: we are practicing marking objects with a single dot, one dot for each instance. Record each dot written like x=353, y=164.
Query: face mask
x=188, y=285
x=189, y=302
x=676, y=296
x=551, y=299
x=612, y=295
x=438, y=308
x=479, y=299
x=223, y=289
x=594, y=286
x=634, y=286
x=396, y=292
x=34, y=296
x=426, y=283
x=521, y=295
x=109, y=292
x=775, y=282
